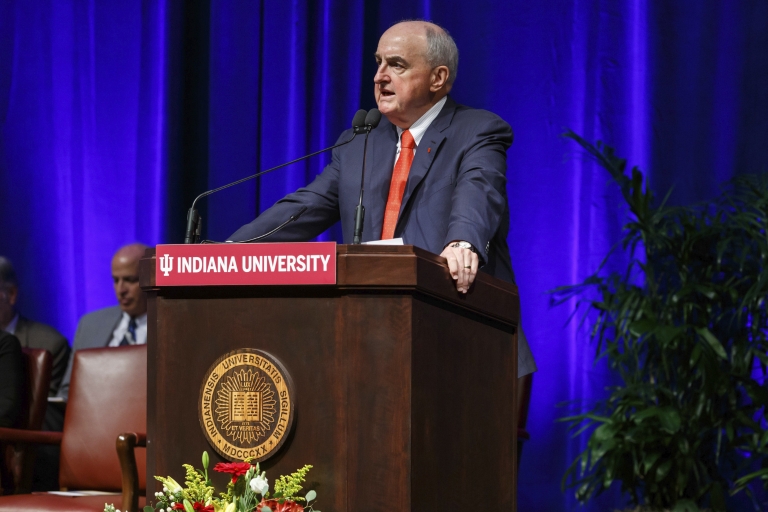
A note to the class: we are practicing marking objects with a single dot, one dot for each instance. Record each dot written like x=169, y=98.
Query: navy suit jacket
x=456, y=190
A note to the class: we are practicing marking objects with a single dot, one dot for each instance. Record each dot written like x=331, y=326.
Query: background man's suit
x=12, y=381
x=94, y=330
x=456, y=190
x=36, y=335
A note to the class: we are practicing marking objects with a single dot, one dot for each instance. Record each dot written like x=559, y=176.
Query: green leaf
x=685, y=506
x=663, y=470
x=669, y=419
x=149, y=509
x=310, y=496
x=713, y=342
x=265, y=509
x=604, y=432
x=188, y=506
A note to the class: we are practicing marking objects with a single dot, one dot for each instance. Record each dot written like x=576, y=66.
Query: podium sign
x=246, y=264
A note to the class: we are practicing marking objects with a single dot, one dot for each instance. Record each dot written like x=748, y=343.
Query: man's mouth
x=386, y=94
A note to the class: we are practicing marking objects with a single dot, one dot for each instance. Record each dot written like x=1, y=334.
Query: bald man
x=124, y=324
x=436, y=170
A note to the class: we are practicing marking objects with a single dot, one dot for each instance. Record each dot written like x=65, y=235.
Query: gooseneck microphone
x=194, y=224
x=371, y=121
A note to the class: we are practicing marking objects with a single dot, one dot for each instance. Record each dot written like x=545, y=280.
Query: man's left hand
x=462, y=264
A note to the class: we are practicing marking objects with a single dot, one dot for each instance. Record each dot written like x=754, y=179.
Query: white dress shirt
x=119, y=333
x=419, y=128
x=11, y=327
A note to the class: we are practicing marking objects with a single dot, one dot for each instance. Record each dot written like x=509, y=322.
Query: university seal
x=246, y=405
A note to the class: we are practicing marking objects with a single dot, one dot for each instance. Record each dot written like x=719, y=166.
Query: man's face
x=8, y=294
x=403, y=81
x=125, y=278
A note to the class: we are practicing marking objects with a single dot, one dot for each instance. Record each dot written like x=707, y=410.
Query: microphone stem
x=360, y=210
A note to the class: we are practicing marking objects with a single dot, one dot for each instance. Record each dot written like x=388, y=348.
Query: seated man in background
x=29, y=333
x=32, y=334
x=115, y=326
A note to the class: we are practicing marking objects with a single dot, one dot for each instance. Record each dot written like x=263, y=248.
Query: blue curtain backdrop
x=114, y=115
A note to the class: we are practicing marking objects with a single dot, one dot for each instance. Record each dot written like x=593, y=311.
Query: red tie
x=397, y=186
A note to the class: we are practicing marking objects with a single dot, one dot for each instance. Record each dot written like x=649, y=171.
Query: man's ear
x=13, y=294
x=438, y=78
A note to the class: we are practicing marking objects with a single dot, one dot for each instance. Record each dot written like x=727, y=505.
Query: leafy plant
x=684, y=328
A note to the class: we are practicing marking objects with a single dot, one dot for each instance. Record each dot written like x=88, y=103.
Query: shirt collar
x=419, y=128
x=11, y=327
x=140, y=320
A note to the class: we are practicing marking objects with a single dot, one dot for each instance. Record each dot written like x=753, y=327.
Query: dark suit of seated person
x=11, y=380
x=124, y=324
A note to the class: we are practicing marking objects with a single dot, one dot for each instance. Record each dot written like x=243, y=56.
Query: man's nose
x=380, y=75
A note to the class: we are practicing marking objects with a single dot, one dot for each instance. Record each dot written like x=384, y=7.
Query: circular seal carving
x=246, y=405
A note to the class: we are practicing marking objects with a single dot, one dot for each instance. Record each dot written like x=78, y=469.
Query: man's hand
x=462, y=263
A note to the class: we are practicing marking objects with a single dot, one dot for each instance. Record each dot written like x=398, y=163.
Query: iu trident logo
x=166, y=264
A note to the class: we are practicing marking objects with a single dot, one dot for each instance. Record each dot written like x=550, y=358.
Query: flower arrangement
x=248, y=491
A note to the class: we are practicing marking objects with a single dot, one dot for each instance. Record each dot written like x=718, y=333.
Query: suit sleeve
x=63, y=389
x=479, y=199
x=321, y=198
x=61, y=355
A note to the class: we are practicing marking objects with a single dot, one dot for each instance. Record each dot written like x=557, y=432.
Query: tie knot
x=406, y=140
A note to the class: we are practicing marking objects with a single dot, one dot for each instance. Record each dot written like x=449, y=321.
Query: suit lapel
x=21, y=332
x=382, y=145
x=425, y=153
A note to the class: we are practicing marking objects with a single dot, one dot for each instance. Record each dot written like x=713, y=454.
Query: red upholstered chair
x=18, y=459
x=524, y=386
x=107, y=397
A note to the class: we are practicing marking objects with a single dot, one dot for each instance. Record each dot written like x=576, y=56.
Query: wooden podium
x=404, y=388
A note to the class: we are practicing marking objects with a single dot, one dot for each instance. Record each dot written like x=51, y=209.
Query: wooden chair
x=107, y=397
x=18, y=458
x=525, y=384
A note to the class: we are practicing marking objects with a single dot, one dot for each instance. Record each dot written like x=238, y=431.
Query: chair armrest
x=125, y=444
x=30, y=436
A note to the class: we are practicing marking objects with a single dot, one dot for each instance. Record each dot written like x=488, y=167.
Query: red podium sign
x=246, y=264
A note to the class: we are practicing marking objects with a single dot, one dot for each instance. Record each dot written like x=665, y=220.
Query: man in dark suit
x=124, y=324
x=29, y=333
x=436, y=170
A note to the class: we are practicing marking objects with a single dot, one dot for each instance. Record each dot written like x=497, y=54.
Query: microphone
x=371, y=121
x=194, y=224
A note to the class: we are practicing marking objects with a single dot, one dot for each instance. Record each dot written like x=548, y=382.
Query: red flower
x=276, y=506
x=199, y=507
x=235, y=468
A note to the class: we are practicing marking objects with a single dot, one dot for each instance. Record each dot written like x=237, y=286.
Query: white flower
x=260, y=485
x=173, y=485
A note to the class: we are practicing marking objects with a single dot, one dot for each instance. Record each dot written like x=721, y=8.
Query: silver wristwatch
x=464, y=245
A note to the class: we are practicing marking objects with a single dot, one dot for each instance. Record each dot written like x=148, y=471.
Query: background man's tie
x=397, y=185
x=130, y=334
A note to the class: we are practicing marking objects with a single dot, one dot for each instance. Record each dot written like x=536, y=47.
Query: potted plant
x=684, y=328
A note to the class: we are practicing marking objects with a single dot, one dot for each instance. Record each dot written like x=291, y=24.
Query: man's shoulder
x=469, y=115
x=101, y=315
x=38, y=332
x=94, y=328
